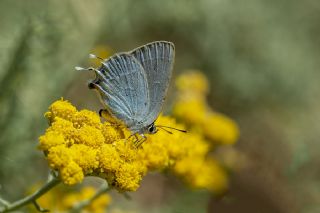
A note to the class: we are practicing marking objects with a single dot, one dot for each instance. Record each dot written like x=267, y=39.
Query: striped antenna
x=84, y=69
x=95, y=56
x=169, y=127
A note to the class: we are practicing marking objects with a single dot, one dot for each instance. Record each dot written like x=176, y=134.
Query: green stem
x=81, y=205
x=4, y=202
x=31, y=198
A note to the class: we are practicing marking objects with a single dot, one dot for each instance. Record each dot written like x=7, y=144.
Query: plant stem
x=101, y=190
x=31, y=198
x=3, y=202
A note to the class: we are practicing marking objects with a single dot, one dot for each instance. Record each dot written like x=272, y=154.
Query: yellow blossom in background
x=209, y=130
x=202, y=173
x=185, y=155
x=58, y=200
x=220, y=129
x=193, y=82
x=192, y=108
x=96, y=206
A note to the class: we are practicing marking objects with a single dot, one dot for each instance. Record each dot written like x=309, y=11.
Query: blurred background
x=260, y=57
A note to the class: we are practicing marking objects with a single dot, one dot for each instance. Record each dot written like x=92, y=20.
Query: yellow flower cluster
x=208, y=128
x=193, y=109
x=57, y=200
x=77, y=144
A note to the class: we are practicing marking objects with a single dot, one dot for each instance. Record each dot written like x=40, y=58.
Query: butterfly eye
x=152, y=129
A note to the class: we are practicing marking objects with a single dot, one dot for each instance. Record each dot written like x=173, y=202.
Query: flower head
x=225, y=129
x=192, y=81
x=72, y=173
x=78, y=144
x=193, y=109
x=202, y=173
x=62, y=109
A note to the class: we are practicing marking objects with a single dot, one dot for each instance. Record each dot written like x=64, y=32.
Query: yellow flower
x=190, y=111
x=220, y=129
x=192, y=81
x=192, y=108
x=194, y=146
x=90, y=136
x=161, y=148
x=63, y=127
x=78, y=144
x=50, y=139
x=59, y=156
x=86, y=117
x=201, y=173
x=72, y=173
x=126, y=150
x=109, y=158
x=85, y=157
x=72, y=141
x=128, y=177
x=111, y=133
x=62, y=109
x=154, y=155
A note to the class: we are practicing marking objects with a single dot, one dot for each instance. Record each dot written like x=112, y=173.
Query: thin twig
x=81, y=205
x=31, y=198
x=4, y=202
x=39, y=208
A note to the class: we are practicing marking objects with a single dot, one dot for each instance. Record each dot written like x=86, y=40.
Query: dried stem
x=81, y=205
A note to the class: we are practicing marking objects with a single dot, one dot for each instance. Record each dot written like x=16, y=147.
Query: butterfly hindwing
x=157, y=59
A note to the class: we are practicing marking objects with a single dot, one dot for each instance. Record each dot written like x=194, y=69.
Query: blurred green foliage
x=40, y=41
x=262, y=59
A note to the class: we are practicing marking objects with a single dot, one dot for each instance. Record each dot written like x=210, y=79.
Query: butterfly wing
x=123, y=87
x=157, y=59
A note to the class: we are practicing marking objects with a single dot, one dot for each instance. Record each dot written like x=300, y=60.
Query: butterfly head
x=152, y=129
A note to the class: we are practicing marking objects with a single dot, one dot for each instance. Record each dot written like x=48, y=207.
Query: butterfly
x=133, y=85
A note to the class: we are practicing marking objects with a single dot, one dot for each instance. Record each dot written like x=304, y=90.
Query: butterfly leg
x=136, y=141
x=139, y=142
x=135, y=135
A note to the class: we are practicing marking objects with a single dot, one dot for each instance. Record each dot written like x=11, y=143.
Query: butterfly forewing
x=157, y=59
x=122, y=84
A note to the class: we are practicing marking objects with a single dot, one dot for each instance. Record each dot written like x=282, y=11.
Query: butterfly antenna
x=95, y=56
x=84, y=69
x=169, y=127
x=165, y=130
